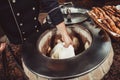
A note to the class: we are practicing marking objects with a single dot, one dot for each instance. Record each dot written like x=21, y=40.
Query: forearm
x=61, y=28
x=57, y=19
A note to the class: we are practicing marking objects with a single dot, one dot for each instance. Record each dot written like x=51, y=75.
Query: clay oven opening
x=80, y=36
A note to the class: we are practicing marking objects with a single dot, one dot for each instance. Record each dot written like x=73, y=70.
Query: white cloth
x=60, y=52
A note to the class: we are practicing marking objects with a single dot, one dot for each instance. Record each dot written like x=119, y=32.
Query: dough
x=60, y=52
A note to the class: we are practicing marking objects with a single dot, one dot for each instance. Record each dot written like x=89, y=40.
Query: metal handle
x=68, y=4
x=69, y=15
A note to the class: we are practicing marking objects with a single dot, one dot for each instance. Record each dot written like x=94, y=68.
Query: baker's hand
x=63, y=32
x=2, y=47
x=66, y=38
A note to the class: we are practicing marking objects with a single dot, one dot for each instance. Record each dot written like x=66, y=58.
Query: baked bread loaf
x=108, y=18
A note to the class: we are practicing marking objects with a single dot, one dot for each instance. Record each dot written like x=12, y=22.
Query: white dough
x=60, y=52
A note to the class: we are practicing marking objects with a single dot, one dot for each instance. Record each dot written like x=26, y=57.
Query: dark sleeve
x=1, y=31
x=55, y=14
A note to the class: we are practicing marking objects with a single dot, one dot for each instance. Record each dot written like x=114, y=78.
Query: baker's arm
x=63, y=32
x=52, y=7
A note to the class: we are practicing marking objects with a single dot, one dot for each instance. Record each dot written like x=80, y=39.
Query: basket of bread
x=108, y=18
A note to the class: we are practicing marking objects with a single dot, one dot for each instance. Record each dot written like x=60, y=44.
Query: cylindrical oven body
x=96, y=58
